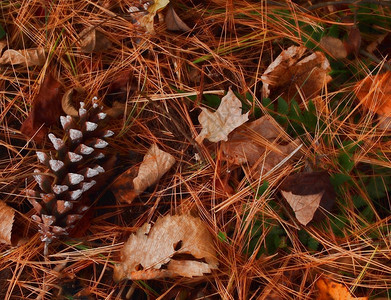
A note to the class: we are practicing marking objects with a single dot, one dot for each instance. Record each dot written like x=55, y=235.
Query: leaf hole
x=178, y=245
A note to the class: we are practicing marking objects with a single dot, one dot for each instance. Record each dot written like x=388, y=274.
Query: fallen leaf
x=260, y=143
x=153, y=9
x=290, y=75
x=353, y=42
x=330, y=290
x=334, y=46
x=216, y=126
x=66, y=104
x=3, y=44
x=93, y=40
x=134, y=181
x=174, y=22
x=7, y=215
x=27, y=57
x=309, y=195
x=46, y=109
x=170, y=237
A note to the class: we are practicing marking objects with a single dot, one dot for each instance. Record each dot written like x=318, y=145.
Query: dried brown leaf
x=93, y=40
x=27, y=57
x=216, y=126
x=291, y=75
x=171, y=235
x=334, y=46
x=174, y=22
x=7, y=216
x=155, y=164
x=306, y=193
x=46, y=109
x=258, y=143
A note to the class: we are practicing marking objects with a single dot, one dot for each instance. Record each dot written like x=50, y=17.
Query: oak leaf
x=27, y=57
x=330, y=290
x=216, y=126
x=7, y=216
x=46, y=109
x=150, y=248
x=306, y=193
x=260, y=143
x=291, y=75
x=135, y=180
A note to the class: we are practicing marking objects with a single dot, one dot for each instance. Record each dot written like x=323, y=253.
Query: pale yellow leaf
x=147, y=20
x=7, y=215
x=150, y=248
x=218, y=125
x=304, y=206
x=155, y=163
x=28, y=57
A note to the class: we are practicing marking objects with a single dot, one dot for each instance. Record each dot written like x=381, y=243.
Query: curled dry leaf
x=260, y=143
x=153, y=9
x=331, y=290
x=66, y=104
x=374, y=93
x=46, y=109
x=7, y=215
x=306, y=193
x=216, y=126
x=291, y=75
x=27, y=57
x=155, y=164
x=174, y=22
x=93, y=40
x=169, y=237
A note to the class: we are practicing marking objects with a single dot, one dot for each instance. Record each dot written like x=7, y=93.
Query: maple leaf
x=258, y=143
x=290, y=75
x=46, y=109
x=216, y=126
x=27, y=57
x=306, y=192
x=7, y=215
x=331, y=290
x=170, y=236
x=134, y=181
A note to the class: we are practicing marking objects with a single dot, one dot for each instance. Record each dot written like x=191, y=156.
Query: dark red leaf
x=46, y=109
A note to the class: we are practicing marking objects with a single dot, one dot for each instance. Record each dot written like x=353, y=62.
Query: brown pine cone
x=71, y=171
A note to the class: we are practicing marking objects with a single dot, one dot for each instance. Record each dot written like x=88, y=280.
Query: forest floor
x=251, y=135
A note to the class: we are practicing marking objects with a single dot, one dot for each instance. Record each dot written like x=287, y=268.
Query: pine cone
x=70, y=173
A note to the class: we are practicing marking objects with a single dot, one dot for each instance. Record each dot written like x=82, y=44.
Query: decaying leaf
x=334, y=46
x=66, y=104
x=330, y=290
x=134, y=181
x=7, y=215
x=216, y=126
x=93, y=40
x=27, y=57
x=174, y=22
x=292, y=76
x=309, y=195
x=260, y=143
x=374, y=93
x=153, y=9
x=46, y=109
x=170, y=237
